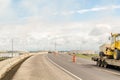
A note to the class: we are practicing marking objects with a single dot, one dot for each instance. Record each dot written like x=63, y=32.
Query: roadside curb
x=11, y=63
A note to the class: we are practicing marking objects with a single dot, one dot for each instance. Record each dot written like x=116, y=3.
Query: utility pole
x=55, y=45
x=12, y=47
x=55, y=52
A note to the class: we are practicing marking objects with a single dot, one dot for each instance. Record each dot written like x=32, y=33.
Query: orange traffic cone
x=74, y=58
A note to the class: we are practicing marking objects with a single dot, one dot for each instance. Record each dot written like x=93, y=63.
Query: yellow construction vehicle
x=111, y=51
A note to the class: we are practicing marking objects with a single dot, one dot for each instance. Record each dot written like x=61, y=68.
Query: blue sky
x=20, y=9
x=69, y=22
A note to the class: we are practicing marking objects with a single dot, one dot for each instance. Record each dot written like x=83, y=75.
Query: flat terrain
x=84, y=69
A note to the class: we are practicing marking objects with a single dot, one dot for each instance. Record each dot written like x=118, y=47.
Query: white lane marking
x=64, y=69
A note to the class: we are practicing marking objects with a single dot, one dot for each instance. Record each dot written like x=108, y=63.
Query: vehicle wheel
x=101, y=54
x=117, y=54
x=99, y=63
x=102, y=64
x=105, y=65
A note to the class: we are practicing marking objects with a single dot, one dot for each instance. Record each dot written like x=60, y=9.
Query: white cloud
x=67, y=13
x=115, y=6
x=101, y=29
x=37, y=34
x=94, y=9
x=37, y=31
x=6, y=11
x=98, y=9
x=4, y=4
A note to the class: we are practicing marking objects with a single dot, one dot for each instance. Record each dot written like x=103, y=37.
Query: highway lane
x=84, y=69
x=39, y=68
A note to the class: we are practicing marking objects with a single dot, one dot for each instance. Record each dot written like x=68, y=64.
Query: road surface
x=39, y=68
x=84, y=69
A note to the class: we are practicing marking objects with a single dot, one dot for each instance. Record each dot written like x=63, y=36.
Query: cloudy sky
x=72, y=24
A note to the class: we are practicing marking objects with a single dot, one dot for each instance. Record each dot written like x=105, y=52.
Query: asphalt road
x=38, y=67
x=83, y=68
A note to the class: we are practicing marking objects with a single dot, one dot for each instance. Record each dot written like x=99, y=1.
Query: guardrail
x=8, y=64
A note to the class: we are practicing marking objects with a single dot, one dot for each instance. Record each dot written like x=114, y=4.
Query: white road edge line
x=64, y=69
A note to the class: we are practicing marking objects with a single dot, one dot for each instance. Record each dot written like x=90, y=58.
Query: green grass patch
x=86, y=56
x=3, y=58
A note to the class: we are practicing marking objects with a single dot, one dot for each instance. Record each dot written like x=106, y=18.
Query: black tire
x=101, y=54
x=105, y=65
x=102, y=64
x=117, y=54
x=99, y=63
